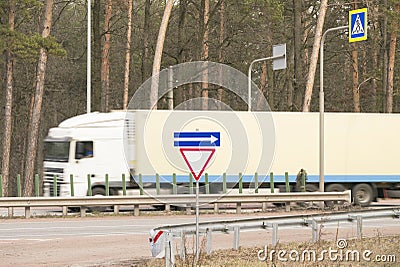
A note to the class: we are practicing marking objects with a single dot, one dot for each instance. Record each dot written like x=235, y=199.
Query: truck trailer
x=360, y=151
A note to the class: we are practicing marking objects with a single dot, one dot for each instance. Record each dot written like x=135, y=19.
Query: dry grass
x=388, y=246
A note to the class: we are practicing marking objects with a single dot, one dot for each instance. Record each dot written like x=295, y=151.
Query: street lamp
x=279, y=60
x=321, y=110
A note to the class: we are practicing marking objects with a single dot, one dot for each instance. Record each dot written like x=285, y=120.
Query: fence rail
x=187, y=200
x=314, y=221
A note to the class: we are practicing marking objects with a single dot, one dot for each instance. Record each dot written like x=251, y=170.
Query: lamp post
x=321, y=110
x=279, y=58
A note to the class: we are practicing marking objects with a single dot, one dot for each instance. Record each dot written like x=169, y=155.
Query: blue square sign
x=357, y=25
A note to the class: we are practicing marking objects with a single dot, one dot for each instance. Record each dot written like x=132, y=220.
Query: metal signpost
x=279, y=62
x=357, y=32
x=197, y=149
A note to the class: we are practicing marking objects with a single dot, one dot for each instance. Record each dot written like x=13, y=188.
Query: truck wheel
x=309, y=204
x=334, y=188
x=98, y=191
x=362, y=194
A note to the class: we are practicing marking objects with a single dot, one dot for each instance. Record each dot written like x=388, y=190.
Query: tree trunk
x=96, y=70
x=180, y=95
x=375, y=50
x=392, y=53
x=105, y=58
x=314, y=56
x=298, y=51
x=128, y=54
x=145, y=48
x=356, y=93
x=37, y=106
x=158, y=54
x=8, y=106
x=220, y=50
x=204, y=86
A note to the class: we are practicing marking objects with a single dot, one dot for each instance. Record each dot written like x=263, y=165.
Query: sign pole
x=197, y=219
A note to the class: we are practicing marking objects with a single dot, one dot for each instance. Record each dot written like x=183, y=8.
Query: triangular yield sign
x=197, y=159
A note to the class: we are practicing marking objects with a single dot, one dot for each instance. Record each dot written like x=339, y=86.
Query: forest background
x=43, y=60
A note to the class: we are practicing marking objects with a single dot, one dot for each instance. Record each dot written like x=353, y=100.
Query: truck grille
x=48, y=179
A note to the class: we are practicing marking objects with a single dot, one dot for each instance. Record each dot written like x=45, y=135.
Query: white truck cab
x=82, y=146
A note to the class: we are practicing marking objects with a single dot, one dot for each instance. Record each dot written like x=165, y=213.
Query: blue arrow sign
x=197, y=139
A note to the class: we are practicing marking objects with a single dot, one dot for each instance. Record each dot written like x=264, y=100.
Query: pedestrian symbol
x=357, y=25
x=358, y=28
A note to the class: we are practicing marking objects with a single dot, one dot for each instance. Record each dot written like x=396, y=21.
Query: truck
x=360, y=152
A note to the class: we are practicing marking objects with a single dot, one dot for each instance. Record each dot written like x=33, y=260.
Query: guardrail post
x=314, y=226
x=182, y=248
x=123, y=184
x=174, y=186
x=236, y=236
x=107, y=186
x=238, y=208
x=10, y=212
x=256, y=183
x=64, y=210
x=116, y=209
x=157, y=183
x=209, y=241
x=83, y=211
x=224, y=183
x=136, y=210
x=27, y=212
x=1, y=185
x=274, y=234
x=140, y=184
x=37, y=193
x=240, y=183
x=271, y=182
x=216, y=208
x=71, y=183
x=89, y=183
x=207, y=184
x=359, y=226
x=169, y=250
x=19, y=185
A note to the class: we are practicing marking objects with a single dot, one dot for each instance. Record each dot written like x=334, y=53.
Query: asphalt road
x=103, y=240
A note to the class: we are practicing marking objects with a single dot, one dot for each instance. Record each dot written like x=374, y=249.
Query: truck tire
x=98, y=191
x=309, y=204
x=362, y=194
x=334, y=188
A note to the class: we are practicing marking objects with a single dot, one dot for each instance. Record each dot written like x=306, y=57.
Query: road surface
x=98, y=241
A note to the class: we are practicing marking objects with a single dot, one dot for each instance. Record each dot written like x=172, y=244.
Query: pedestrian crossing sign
x=357, y=25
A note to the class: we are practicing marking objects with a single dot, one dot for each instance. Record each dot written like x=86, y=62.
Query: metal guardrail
x=167, y=200
x=236, y=225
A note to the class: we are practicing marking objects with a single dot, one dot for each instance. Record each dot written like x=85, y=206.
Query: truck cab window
x=84, y=149
x=56, y=151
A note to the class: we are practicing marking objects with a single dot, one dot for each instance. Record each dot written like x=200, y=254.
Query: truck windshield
x=56, y=151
